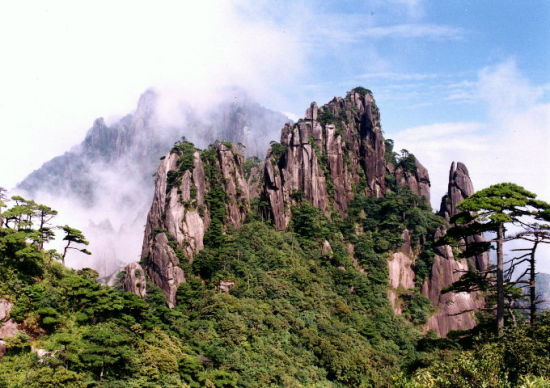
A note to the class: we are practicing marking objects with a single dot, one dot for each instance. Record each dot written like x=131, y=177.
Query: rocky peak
x=417, y=180
x=193, y=190
x=326, y=156
x=454, y=310
x=134, y=280
x=460, y=187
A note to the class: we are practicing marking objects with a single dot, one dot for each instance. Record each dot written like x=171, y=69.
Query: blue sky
x=420, y=58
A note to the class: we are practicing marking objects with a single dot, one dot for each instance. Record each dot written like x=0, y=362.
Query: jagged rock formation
x=460, y=187
x=185, y=205
x=85, y=181
x=418, y=181
x=454, y=310
x=325, y=156
x=134, y=280
x=335, y=152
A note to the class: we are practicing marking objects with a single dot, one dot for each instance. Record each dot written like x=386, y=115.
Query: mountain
x=543, y=284
x=321, y=266
x=336, y=160
x=85, y=182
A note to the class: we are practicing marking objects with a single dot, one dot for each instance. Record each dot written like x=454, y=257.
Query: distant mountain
x=133, y=145
x=105, y=183
x=543, y=290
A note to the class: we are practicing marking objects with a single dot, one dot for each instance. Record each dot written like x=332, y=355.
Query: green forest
x=294, y=316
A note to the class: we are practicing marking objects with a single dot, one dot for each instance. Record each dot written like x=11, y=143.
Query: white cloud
x=66, y=63
x=512, y=145
x=420, y=30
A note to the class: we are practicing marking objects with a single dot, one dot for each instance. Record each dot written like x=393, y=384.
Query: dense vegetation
x=295, y=314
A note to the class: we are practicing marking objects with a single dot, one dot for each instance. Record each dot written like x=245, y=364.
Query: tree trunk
x=500, y=280
x=532, y=284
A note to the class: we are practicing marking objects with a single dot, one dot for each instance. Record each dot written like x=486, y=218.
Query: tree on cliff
x=492, y=210
x=73, y=236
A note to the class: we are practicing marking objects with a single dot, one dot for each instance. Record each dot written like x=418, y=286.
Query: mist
x=104, y=186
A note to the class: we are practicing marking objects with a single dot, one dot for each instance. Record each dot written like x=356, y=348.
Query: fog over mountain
x=104, y=185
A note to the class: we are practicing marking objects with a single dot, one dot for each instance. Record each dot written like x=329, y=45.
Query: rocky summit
x=334, y=154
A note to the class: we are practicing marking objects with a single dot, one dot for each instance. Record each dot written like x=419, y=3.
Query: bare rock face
x=326, y=249
x=400, y=272
x=417, y=181
x=180, y=215
x=8, y=327
x=325, y=156
x=5, y=309
x=455, y=311
x=134, y=280
x=460, y=187
x=225, y=285
x=255, y=181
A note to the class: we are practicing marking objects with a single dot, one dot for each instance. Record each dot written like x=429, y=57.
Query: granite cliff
x=336, y=153
x=185, y=205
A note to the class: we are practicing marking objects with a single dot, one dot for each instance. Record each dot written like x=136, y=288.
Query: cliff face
x=134, y=280
x=418, y=180
x=455, y=311
x=325, y=156
x=181, y=210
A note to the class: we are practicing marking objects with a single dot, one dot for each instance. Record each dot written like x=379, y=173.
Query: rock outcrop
x=455, y=311
x=418, y=181
x=181, y=211
x=8, y=327
x=400, y=272
x=461, y=187
x=326, y=156
x=134, y=280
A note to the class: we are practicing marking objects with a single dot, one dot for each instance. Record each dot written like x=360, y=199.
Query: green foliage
x=416, y=307
x=293, y=317
x=73, y=236
x=519, y=358
x=250, y=163
x=362, y=91
x=277, y=150
x=407, y=162
x=185, y=150
x=325, y=116
x=387, y=217
x=215, y=199
x=504, y=202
